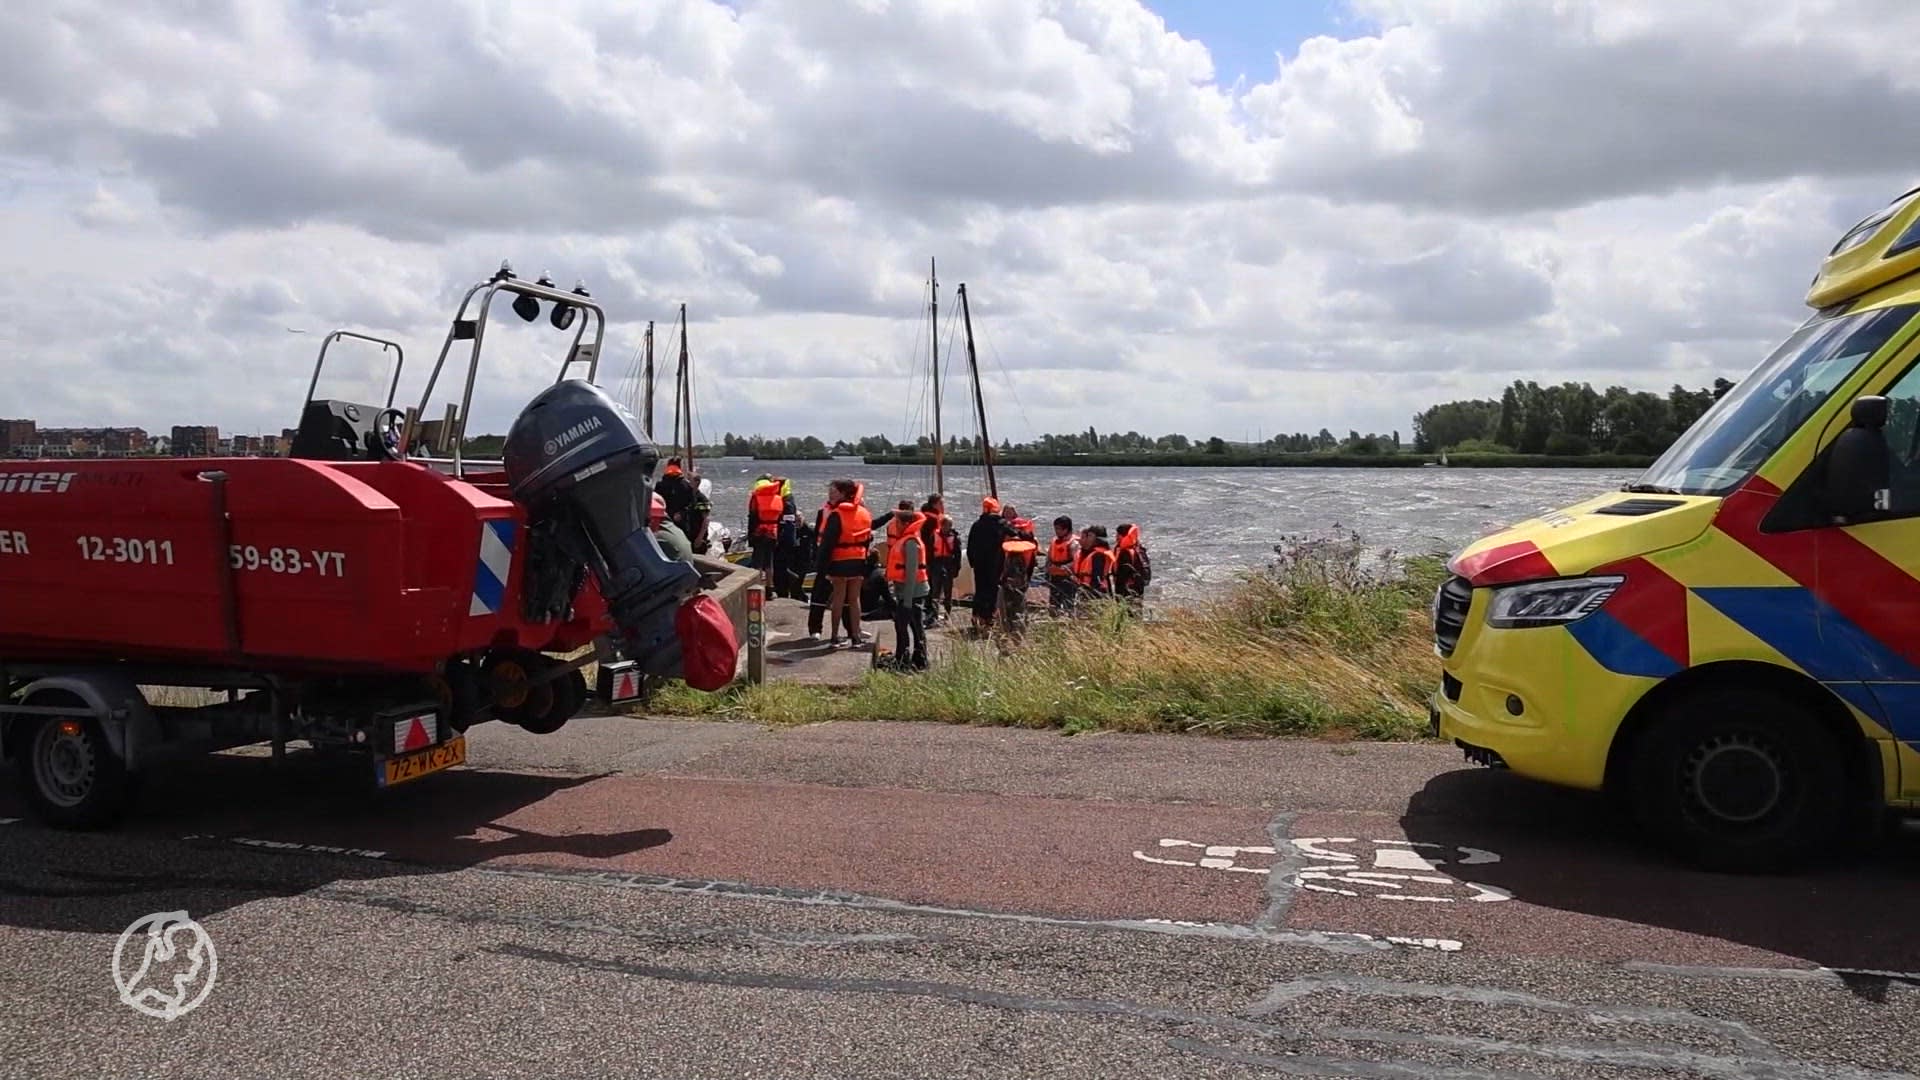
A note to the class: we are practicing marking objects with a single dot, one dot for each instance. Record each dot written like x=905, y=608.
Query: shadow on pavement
x=213, y=833
x=1569, y=850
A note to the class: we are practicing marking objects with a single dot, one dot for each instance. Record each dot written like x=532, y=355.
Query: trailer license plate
x=399, y=770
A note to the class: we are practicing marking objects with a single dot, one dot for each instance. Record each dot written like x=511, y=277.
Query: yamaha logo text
x=35, y=483
x=566, y=438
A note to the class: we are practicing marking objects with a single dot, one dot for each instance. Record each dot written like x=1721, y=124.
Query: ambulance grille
x=1450, y=613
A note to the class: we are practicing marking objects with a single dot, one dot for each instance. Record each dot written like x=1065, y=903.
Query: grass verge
x=1330, y=640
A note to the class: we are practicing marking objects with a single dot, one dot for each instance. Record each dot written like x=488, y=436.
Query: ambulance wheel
x=1739, y=779
x=70, y=775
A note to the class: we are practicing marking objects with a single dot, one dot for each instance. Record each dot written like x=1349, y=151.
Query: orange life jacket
x=1018, y=553
x=1083, y=571
x=1060, y=559
x=944, y=538
x=856, y=532
x=764, y=507
x=899, y=531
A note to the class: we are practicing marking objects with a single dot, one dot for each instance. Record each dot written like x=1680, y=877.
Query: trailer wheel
x=554, y=703
x=70, y=774
x=1738, y=779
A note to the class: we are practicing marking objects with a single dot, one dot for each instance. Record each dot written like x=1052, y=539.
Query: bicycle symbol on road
x=1403, y=870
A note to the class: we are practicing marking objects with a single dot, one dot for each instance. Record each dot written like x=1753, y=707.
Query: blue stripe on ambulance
x=495, y=563
x=1830, y=647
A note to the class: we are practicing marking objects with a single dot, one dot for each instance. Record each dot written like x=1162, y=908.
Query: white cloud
x=1466, y=192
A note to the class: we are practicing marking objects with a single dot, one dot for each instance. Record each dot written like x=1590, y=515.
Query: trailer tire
x=68, y=771
x=556, y=703
x=1738, y=779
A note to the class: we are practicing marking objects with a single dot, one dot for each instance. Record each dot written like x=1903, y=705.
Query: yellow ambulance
x=1730, y=645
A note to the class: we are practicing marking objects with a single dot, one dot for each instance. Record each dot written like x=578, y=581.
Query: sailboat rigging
x=979, y=403
x=647, y=382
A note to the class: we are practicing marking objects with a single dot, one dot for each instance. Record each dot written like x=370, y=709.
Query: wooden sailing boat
x=963, y=583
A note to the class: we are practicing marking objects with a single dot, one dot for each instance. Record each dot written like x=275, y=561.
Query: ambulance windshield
x=1743, y=429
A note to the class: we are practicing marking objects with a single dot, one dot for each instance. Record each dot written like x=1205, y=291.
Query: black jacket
x=983, y=544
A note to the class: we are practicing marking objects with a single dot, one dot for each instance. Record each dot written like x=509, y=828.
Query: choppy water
x=1204, y=524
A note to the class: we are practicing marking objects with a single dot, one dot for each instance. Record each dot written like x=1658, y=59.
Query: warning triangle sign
x=417, y=737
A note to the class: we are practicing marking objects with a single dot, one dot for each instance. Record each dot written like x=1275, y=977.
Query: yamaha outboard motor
x=584, y=470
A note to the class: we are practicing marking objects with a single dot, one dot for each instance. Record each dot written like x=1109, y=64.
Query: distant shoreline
x=1284, y=461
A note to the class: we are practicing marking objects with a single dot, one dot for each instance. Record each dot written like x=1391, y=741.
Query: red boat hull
x=286, y=565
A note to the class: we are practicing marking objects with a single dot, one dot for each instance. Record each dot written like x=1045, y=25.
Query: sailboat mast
x=979, y=403
x=686, y=387
x=647, y=382
x=939, y=438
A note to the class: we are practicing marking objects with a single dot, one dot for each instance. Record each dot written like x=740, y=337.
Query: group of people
x=910, y=578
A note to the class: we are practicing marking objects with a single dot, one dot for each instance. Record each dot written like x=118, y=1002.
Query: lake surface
x=1203, y=525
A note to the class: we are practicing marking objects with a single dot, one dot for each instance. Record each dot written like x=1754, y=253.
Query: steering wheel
x=385, y=437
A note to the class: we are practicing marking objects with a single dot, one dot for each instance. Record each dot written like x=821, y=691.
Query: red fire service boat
x=354, y=595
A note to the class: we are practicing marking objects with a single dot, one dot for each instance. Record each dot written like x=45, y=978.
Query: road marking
x=289, y=845
x=9, y=821
x=1409, y=871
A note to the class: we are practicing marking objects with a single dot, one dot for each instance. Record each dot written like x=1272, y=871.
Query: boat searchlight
x=563, y=314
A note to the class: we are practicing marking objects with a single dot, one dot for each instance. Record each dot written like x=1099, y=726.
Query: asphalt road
x=654, y=898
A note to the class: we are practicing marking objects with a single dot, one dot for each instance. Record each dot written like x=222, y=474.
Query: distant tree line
x=759, y=446
x=1565, y=420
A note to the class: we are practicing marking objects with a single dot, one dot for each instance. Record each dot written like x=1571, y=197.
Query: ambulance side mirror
x=1859, y=466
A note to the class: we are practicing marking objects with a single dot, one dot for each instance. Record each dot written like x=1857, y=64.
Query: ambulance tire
x=1740, y=780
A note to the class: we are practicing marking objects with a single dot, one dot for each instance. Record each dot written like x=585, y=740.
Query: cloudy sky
x=1208, y=216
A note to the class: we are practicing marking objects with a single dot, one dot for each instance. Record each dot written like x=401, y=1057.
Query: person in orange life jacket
x=931, y=512
x=821, y=595
x=845, y=542
x=768, y=505
x=989, y=531
x=1063, y=555
x=1018, y=555
x=907, y=576
x=945, y=568
x=1094, y=570
x=1132, y=567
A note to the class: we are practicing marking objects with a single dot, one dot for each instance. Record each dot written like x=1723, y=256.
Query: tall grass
x=1330, y=640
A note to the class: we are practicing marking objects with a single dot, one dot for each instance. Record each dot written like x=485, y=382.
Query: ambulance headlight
x=1550, y=603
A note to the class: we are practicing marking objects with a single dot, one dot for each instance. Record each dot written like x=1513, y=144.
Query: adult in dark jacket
x=986, y=558
x=679, y=494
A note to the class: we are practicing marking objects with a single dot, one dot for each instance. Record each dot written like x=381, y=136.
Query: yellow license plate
x=399, y=770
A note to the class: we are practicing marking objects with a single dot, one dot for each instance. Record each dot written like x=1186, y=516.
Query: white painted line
x=1399, y=867
x=9, y=821
x=310, y=849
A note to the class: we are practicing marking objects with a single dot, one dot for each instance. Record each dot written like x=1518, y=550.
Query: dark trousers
x=909, y=633
x=1061, y=593
x=986, y=591
x=940, y=588
x=817, y=604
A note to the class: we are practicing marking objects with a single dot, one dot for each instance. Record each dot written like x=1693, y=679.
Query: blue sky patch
x=1243, y=35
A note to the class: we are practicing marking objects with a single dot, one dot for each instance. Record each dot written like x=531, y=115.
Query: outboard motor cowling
x=583, y=468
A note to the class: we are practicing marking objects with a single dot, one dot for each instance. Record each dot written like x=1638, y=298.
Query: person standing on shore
x=946, y=569
x=1132, y=567
x=768, y=505
x=907, y=575
x=1094, y=571
x=931, y=511
x=1018, y=553
x=848, y=536
x=678, y=493
x=984, y=554
x=821, y=594
x=1063, y=556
